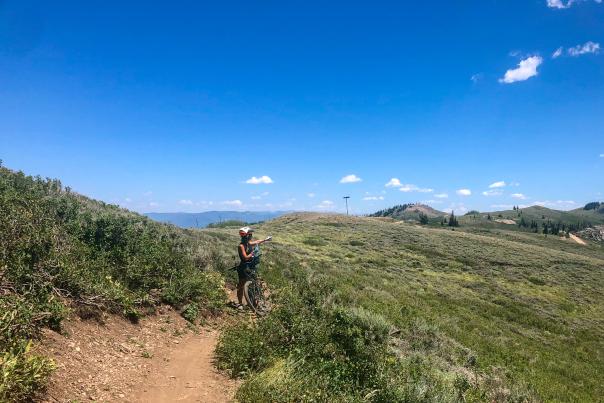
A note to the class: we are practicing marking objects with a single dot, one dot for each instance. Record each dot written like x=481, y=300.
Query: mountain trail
x=188, y=375
x=160, y=359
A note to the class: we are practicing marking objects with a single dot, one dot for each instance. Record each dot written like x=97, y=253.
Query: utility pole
x=346, y=198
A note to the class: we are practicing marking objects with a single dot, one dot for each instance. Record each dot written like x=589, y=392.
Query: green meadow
x=494, y=314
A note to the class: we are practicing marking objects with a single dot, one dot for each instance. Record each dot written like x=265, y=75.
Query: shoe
x=239, y=307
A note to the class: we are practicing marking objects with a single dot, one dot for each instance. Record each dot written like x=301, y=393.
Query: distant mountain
x=202, y=220
x=408, y=212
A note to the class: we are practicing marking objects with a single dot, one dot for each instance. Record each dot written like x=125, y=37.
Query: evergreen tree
x=453, y=220
x=423, y=219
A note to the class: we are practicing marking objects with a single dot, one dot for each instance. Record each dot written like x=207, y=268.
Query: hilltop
x=409, y=212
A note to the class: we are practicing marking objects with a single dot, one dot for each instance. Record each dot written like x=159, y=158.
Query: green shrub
x=22, y=374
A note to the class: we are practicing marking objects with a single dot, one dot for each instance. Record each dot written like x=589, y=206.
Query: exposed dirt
x=187, y=376
x=577, y=239
x=158, y=360
x=505, y=221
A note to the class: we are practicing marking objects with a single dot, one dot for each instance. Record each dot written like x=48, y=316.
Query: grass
x=528, y=311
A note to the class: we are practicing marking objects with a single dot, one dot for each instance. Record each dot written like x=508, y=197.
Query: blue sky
x=174, y=106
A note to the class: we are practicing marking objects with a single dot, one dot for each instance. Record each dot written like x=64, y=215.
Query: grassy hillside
x=62, y=252
x=387, y=311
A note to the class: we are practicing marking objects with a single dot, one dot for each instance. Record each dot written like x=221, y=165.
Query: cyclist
x=246, y=255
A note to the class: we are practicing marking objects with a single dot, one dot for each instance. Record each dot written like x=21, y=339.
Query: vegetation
x=424, y=314
x=595, y=206
x=62, y=251
x=227, y=224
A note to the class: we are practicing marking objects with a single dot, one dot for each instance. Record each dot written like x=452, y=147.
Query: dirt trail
x=577, y=239
x=187, y=376
x=158, y=360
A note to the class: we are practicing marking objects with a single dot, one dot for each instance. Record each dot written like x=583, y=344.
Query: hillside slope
x=61, y=252
x=466, y=316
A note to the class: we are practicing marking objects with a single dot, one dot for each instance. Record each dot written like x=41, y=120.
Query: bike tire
x=253, y=296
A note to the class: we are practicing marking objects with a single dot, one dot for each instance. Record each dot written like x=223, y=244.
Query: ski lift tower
x=346, y=199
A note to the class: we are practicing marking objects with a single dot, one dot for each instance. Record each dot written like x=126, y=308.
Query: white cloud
x=588, y=47
x=263, y=180
x=256, y=197
x=367, y=198
x=185, y=202
x=526, y=69
x=441, y=195
x=464, y=192
x=518, y=196
x=602, y=155
x=560, y=4
x=476, y=77
x=458, y=208
x=500, y=184
x=557, y=204
x=128, y=200
x=264, y=194
x=432, y=202
x=352, y=178
x=393, y=183
x=557, y=53
x=234, y=203
x=413, y=188
x=311, y=195
x=153, y=204
x=492, y=192
x=325, y=204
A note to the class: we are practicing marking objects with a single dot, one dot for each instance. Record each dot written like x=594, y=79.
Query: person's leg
x=240, y=290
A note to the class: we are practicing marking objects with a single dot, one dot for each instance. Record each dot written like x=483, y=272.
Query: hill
x=534, y=219
x=408, y=212
x=63, y=253
x=367, y=307
x=364, y=309
x=203, y=219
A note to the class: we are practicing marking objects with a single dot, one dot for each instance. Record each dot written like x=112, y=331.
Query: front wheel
x=252, y=291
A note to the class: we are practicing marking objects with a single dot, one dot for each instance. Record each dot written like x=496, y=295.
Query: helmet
x=245, y=231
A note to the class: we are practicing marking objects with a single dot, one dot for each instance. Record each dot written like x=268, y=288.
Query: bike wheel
x=254, y=297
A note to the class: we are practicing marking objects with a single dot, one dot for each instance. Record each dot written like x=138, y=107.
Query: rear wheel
x=252, y=291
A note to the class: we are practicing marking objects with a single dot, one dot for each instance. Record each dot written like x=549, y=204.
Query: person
x=246, y=256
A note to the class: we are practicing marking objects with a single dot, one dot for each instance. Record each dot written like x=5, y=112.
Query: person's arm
x=260, y=242
x=246, y=257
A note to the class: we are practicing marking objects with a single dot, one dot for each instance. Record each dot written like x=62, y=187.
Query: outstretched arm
x=261, y=241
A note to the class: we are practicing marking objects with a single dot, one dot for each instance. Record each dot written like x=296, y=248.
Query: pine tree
x=453, y=220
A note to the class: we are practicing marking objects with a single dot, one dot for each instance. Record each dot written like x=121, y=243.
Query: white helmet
x=245, y=231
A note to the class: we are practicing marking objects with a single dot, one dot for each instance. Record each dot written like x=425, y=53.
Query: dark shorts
x=243, y=271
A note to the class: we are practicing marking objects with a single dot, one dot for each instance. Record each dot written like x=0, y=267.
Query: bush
x=23, y=375
x=312, y=348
